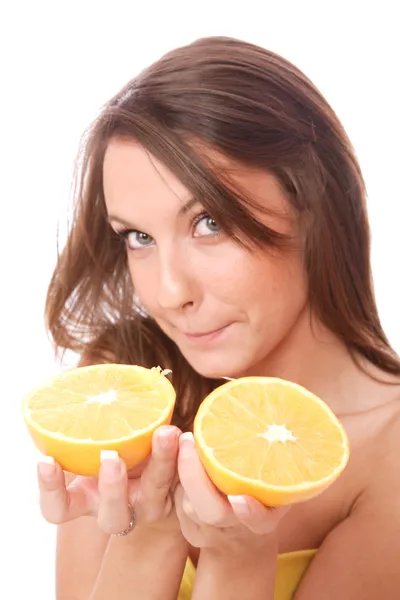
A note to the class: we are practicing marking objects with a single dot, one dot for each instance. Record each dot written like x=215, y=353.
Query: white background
x=58, y=63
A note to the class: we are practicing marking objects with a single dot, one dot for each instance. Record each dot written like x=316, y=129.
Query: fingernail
x=165, y=437
x=240, y=505
x=186, y=437
x=186, y=443
x=46, y=467
x=110, y=467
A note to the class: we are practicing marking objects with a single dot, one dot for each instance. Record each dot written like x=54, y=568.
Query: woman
x=220, y=231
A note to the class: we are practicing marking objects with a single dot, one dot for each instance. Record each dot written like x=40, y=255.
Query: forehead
x=130, y=173
x=134, y=177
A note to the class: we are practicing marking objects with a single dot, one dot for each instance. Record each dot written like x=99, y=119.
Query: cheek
x=229, y=274
x=272, y=286
x=255, y=283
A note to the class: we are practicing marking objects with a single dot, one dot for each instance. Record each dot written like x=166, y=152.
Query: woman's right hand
x=149, y=489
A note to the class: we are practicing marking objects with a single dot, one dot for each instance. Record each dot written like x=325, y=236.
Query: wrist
x=151, y=537
x=149, y=564
x=238, y=575
x=243, y=556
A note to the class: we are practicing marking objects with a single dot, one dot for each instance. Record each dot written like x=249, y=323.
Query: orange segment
x=270, y=439
x=80, y=412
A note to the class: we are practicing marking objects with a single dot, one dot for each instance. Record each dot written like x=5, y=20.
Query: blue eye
x=136, y=239
x=205, y=225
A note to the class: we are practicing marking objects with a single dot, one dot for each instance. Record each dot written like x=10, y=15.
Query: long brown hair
x=256, y=108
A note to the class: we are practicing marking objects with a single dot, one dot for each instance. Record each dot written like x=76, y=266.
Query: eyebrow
x=184, y=209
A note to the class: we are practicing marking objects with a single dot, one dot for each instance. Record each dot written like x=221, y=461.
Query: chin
x=218, y=367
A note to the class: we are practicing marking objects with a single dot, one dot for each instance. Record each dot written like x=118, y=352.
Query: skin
x=88, y=510
x=194, y=279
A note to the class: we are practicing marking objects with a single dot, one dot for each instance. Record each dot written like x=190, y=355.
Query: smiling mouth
x=207, y=336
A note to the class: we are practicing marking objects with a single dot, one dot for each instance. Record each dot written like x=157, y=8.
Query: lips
x=203, y=334
x=206, y=338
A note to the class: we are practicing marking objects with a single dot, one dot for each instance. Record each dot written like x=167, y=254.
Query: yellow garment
x=289, y=571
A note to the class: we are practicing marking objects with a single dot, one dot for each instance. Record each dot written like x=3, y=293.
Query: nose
x=177, y=285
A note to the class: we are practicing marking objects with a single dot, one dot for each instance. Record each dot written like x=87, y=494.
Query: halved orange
x=270, y=439
x=78, y=413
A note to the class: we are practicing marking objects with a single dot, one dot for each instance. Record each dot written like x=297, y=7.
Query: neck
x=314, y=357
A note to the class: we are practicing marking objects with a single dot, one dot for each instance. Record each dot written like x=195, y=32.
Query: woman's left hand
x=225, y=524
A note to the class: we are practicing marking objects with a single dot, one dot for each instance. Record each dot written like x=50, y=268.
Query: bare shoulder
x=383, y=484
x=359, y=556
x=387, y=440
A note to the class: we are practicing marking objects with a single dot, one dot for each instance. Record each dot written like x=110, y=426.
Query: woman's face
x=228, y=309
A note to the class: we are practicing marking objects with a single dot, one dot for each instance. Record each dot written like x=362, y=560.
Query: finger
x=188, y=520
x=114, y=514
x=183, y=506
x=207, y=502
x=59, y=504
x=257, y=517
x=136, y=471
x=158, y=478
